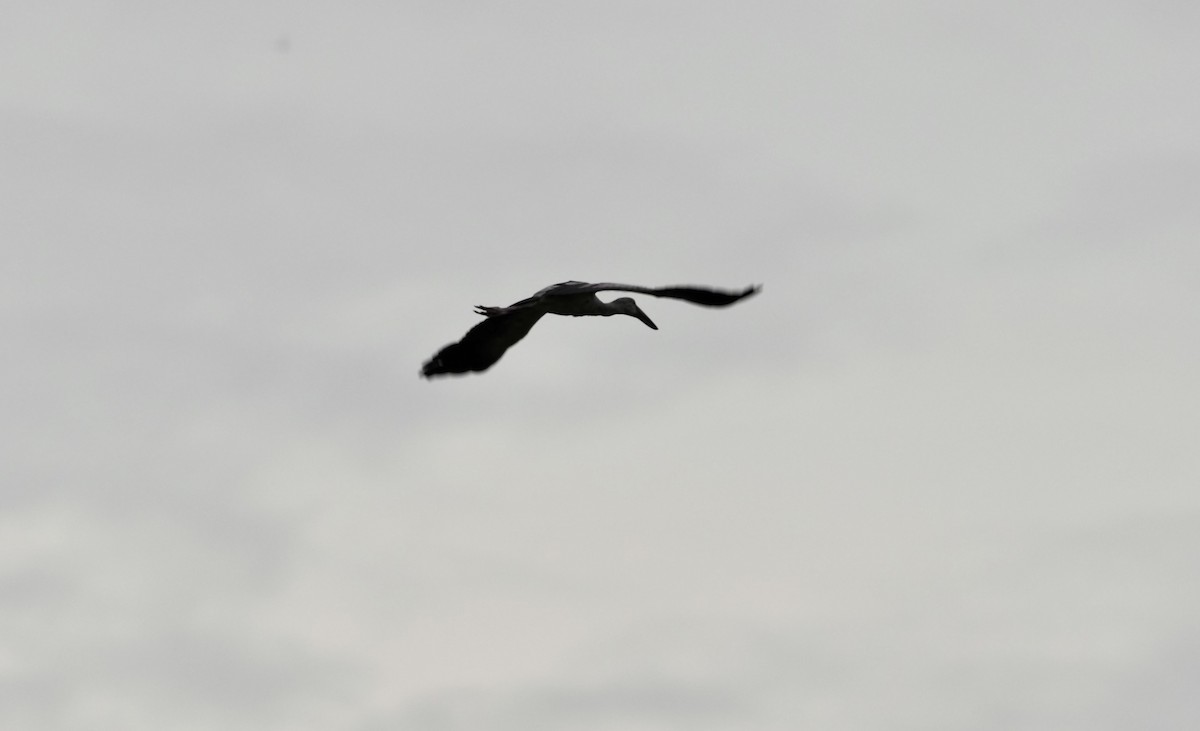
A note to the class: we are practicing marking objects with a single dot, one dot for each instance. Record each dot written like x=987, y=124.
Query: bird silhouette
x=504, y=327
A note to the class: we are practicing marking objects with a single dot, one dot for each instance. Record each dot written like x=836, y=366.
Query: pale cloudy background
x=941, y=474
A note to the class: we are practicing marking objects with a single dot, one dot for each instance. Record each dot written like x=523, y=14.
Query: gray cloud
x=939, y=474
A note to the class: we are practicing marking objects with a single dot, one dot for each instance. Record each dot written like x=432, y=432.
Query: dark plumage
x=485, y=343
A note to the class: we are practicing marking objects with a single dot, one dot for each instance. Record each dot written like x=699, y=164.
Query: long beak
x=637, y=312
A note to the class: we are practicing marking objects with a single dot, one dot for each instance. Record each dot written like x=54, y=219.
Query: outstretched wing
x=483, y=344
x=706, y=296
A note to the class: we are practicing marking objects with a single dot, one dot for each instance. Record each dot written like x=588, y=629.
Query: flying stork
x=503, y=327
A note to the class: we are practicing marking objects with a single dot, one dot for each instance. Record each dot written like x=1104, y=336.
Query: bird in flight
x=503, y=327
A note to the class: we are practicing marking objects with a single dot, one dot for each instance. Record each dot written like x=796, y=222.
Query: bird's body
x=485, y=343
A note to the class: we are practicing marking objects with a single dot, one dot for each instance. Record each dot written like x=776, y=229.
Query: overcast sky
x=941, y=474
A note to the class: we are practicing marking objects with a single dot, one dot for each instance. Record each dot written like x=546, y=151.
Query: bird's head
x=627, y=306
